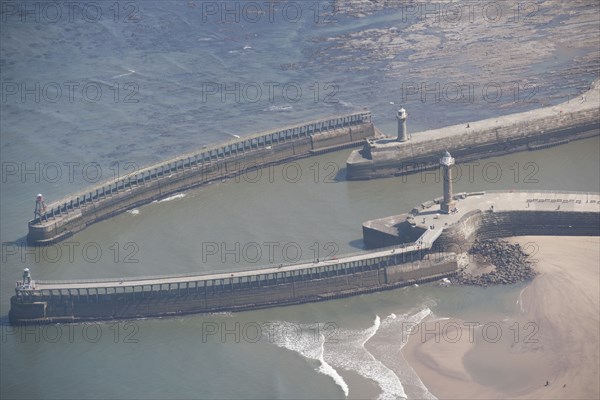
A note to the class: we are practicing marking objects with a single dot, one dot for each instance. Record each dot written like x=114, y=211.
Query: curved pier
x=65, y=217
x=47, y=302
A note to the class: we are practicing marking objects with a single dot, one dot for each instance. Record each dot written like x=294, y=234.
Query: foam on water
x=174, y=197
x=351, y=354
x=309, y=344
x=327, y=369
x=374, y=353
x=222, y=314
x=387, y=346
x=520, y=300
x=279, y=108
x=125, y=74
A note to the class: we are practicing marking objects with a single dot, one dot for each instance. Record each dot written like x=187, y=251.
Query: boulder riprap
x=511, y=264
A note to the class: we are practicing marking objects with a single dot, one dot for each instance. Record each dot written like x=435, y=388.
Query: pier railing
x=198, y=159
x=544, y=191
x=366, y=254
x=348, y=264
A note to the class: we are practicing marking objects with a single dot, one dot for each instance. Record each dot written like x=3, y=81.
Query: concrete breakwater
x=65, y=217
x=549, y=126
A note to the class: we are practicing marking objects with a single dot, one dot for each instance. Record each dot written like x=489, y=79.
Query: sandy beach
x=553, y=337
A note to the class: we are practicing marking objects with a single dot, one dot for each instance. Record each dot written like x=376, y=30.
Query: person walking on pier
x=40, y=208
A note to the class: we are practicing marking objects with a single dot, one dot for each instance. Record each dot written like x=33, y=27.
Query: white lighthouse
x=446, y=163
x=402, y=131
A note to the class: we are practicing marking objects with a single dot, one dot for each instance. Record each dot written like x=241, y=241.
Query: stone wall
x=377, y=234
x=226, y=297
x=491, y=225
x=67, y=217
x=416, y=155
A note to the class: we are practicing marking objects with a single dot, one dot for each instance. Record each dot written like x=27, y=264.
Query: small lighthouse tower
x=446, y=163
x=402, y=131
x=27, y=282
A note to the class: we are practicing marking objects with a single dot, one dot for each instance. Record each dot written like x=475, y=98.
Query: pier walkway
x=506, y=201
x=575, y=119
x=490, y=214
x=308, y=270
x=73, y=213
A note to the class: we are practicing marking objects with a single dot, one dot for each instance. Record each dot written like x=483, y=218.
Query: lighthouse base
x=447, y=207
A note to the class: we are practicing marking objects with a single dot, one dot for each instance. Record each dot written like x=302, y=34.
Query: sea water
x=157, y=72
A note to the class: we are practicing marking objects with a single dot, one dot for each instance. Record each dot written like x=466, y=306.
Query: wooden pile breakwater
x=74, y=213
x=72, y=301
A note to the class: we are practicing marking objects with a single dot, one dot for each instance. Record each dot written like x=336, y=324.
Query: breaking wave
x=374, y=353
x=171, y=198
x=311, y=346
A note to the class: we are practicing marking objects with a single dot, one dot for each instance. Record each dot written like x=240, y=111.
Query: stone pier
x=549, y=126
x=65, y=217
x=364, y=272
x=487, y=215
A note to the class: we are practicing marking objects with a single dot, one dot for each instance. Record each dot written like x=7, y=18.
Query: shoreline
x=556, y=341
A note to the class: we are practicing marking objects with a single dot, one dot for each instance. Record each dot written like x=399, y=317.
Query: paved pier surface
x=563, y=110
x=575, y=119
x=67, y=216
x=283, y=269
x=429, y=217
x=499, y=201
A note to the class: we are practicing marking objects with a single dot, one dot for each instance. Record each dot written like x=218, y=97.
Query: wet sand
x=553, y=336
x=490, y=49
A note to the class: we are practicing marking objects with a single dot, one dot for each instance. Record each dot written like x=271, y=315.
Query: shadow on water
x=341, y=175
x=358, y=244
x=19, y=242
x=4, y=321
